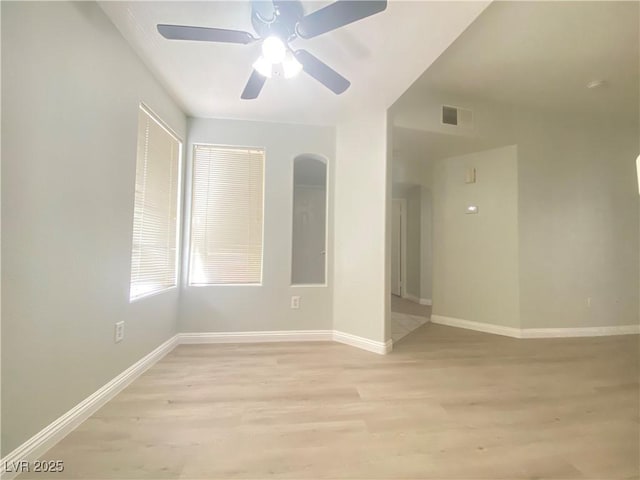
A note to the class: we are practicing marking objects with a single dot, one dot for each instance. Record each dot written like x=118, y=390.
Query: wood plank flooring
x=446, y=404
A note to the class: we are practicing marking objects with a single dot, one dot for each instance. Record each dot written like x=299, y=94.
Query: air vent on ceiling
x=456, y=116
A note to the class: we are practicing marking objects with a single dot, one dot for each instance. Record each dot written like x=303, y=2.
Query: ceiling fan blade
x=253, y=87
x=204, y=34
x=322, y=72
x=338, y=14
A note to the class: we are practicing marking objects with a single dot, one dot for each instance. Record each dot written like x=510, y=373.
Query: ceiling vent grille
x=456, y=116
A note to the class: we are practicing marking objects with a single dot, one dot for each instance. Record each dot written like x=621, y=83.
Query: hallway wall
x=475, y=257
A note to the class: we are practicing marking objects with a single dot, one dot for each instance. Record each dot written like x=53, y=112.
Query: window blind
x=226, y=215
x=154, y=258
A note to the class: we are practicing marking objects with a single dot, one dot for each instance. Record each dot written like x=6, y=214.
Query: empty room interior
x=314, y=239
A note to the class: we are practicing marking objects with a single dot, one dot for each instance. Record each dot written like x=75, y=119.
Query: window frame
x=179, y=206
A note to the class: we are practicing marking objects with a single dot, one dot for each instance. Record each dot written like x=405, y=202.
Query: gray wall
x=475, y=257
x=578, y=208
x=234, y=308
x=362, y=261
x=70, y=93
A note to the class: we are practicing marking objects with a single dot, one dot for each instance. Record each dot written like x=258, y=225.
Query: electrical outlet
x=295, y=302
x=588, y=302
x=119, y=332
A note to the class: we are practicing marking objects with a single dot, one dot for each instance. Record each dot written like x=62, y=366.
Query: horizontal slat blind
x=154, y=265
x=226, y=215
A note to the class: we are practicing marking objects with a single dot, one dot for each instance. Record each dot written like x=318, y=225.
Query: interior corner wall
x=388, y=190
x=71, y=87
x=360, y=227
x=475, y=256
x=266, y=307
x=411, y=168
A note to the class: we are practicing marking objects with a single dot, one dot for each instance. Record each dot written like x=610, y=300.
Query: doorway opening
x=410, y=302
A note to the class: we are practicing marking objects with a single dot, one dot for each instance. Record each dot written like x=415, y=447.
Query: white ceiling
x=381, y=56
x=420, y=145
x=542, y=55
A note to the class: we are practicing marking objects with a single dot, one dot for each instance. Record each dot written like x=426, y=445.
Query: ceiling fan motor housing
x=277, y=18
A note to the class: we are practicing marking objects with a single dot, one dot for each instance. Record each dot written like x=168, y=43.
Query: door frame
x=403, y=245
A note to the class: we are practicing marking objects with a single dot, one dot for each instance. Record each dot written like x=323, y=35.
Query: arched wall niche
x=309, y=220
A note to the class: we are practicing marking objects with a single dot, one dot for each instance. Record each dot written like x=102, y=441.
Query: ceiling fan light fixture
x=278, y=22
x=273, y=49
x=290, y=66
x=263, y=67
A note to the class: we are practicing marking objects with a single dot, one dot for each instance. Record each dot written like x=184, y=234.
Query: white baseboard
x=536, y=332
x=413, y=298
x=381, y=348
x=44, y=440
x=580, y=331
x=257, y=337
x=286, y=336
x=477, y=326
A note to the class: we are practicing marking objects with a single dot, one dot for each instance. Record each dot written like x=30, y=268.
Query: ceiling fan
x=277, y=23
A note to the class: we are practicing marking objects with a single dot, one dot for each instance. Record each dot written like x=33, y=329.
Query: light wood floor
x=446, y=404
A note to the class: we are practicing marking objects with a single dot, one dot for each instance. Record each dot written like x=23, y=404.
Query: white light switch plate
x=295, y=302
x=470, y=175
x=119, y=332
x=472, y=209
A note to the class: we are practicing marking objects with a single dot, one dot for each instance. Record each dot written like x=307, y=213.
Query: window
x=154, y=252
x=226, y=215
x=308, y=246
